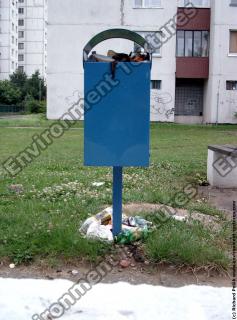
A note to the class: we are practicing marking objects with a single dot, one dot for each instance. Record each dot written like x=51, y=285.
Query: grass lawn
x=58, y=195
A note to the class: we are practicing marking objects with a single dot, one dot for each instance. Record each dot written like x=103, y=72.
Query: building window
x=150, y=37
x=13, y=40
x=12, y=65
x=233, y=3
x=197, y=44
x=198, y=3
x=13, y=52
x=21, y=34
x=21, y=10
x=21, y=45
x=21, y=68
x=20, y=22
x=192, y=43
x=233, y=41
x=21, y=1
x=20, y=57
x=180, y=43
x=156, y=84
x=231, y=85
x=147, y=3
x=13, y=27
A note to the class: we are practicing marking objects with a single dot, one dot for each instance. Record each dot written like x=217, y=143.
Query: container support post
x=117, y=199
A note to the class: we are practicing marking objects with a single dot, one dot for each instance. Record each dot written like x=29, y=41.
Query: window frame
x=146, y=7
x=154, y=54
x=203, y=5
x=22, y=33
x=22, y=21
x=21, y=10
x=159, y=84
x=21, y=44
x=184, y=49
x=232, y=54
x=23, y=57
x=233, y=3
x=233, y=83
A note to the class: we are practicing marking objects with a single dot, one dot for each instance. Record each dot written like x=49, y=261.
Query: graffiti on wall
x=161, y=105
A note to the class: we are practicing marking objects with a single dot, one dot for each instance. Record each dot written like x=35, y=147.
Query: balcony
x=192, y=67
x=199, y=20
x=193, y=40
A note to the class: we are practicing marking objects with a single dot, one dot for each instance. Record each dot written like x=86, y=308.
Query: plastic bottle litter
x=100, y=227
x=84, y=227
x=105, y=216
x=100, y=232
x=136, y=221
x=98, y=184
x=131, y=234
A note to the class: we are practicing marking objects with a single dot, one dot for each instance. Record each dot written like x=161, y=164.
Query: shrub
x=34, y=106
x=9, y=94
x=28, y=93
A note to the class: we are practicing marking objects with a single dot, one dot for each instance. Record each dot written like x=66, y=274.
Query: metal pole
x=117, y=199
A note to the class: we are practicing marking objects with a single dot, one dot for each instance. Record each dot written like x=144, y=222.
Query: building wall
x=73, y=23
x=221, y=104
x=8, y=38
x=34, y=40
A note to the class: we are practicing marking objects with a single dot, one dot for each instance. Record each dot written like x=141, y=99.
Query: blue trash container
x=117, y=107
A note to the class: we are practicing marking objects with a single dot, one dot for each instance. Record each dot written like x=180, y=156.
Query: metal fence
x=11, y=109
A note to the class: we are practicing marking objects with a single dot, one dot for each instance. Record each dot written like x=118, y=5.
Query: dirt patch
x=137, y=208
x=136, y=273
x=221, y=199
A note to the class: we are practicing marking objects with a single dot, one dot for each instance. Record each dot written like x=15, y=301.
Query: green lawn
x=44, y=222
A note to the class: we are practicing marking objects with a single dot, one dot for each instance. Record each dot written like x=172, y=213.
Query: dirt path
x=222, y=199
x=137, y=273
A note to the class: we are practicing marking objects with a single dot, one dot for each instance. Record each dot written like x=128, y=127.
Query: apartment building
x=23, y=36
x=8, y=37
x=194, y=68
x=32, y=36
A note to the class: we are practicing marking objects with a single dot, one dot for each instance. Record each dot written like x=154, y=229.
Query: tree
x=35, y=87
x=9, y=93
x=19, y=79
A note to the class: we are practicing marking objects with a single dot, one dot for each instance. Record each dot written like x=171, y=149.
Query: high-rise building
x=32, y=42
x=194, y=67
x=23, y=36
x=8, y=37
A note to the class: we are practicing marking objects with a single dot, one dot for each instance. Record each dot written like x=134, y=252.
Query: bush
x=35, y=106
x=28, y=93
x=9, y=93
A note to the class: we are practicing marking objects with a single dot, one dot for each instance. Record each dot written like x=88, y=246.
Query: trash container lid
x=115, y=33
